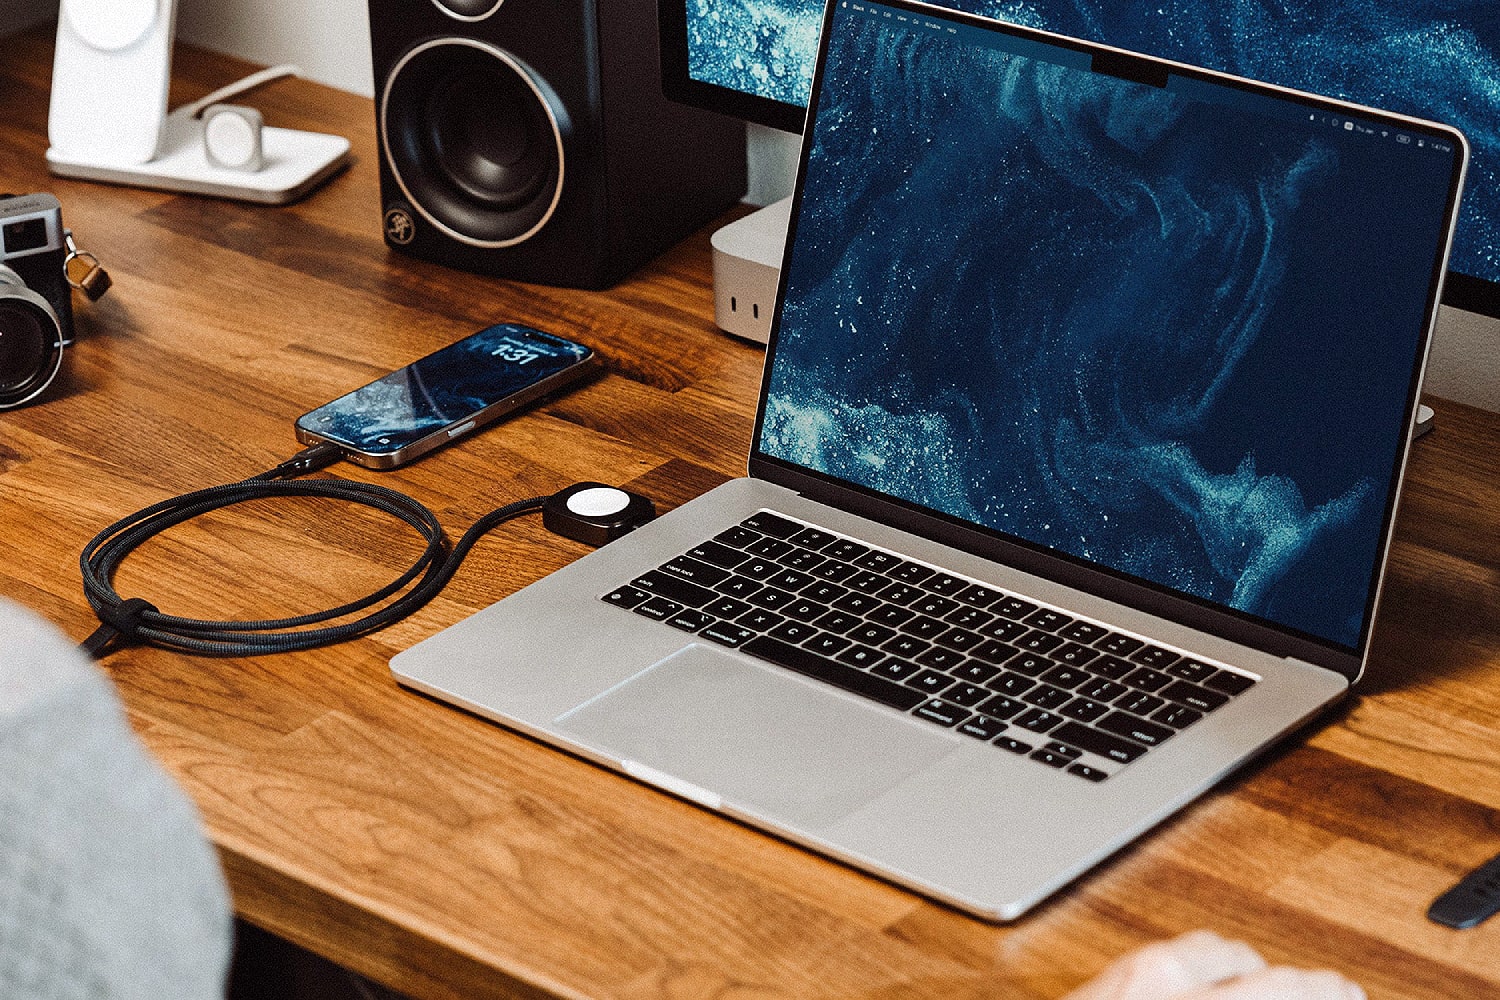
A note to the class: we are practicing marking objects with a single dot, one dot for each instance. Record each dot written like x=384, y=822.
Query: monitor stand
x=747, y=266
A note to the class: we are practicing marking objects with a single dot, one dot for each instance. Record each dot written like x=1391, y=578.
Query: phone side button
x=463, y=428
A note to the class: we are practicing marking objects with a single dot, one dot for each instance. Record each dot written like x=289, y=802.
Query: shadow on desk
x=269, y=968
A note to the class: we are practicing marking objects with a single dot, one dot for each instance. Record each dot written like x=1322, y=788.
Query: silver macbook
x=1078, y=449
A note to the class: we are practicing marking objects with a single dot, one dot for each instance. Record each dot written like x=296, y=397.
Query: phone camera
x=36, y=311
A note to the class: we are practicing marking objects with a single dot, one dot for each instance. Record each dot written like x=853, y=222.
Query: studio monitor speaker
x=529, y=139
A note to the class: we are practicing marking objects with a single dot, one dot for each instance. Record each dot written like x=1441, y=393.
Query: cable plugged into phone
x=595, y=514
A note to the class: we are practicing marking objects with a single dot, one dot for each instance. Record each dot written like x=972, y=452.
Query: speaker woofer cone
x=475, y=141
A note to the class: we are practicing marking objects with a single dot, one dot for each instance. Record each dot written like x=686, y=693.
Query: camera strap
x=83, y=270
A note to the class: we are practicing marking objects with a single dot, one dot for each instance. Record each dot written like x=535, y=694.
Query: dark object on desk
x=596, y=514
x=1472, y=901
x=533, y=141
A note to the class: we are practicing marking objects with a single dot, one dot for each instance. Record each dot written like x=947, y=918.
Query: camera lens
x=30, y=342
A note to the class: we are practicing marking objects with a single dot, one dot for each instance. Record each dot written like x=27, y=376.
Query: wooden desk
x=452, y=859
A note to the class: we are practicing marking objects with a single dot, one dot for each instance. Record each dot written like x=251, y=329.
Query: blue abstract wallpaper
x=1431, y=58
x=1106, y=319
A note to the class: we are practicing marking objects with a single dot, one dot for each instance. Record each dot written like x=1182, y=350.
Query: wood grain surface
x=450, y=858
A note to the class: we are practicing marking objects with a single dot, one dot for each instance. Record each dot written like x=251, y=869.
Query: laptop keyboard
x=1069, y=693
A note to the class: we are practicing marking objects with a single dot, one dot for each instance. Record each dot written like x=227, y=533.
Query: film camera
x=36, y=304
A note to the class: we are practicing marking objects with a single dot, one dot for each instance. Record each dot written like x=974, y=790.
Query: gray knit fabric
x=108, y=888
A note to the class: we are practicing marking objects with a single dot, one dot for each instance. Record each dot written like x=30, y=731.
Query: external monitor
x=754, y=59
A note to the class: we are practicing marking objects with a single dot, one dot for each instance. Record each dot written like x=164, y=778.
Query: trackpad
x=780, y=747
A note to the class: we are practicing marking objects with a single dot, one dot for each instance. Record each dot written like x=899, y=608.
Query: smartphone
x=448, y=394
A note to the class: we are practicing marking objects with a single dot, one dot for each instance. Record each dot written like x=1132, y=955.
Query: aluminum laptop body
x=1073, y=336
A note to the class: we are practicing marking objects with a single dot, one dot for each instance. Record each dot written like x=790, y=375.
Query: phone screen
x=460, y=382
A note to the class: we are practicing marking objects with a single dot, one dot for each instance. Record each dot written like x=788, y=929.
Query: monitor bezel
x=1463, y=291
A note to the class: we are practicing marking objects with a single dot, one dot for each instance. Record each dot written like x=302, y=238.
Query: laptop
x=1084, y=417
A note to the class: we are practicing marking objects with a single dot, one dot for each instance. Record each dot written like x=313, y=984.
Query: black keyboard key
x=804, y=560
x=1154, y=656
x=896, y=669
x=825, y=592
x=993, y=651
x=941, y=712
x=737, y=537
x=727, y=634
x=769, y=548
x=838, y=674
x=979, y=596
x=871, y=634
x=967, y=695
x=626, y=597
x=835, y=572
x=812, y=538
x=1012, y=607
x=900, y=593
x=690, y=621
x=772, y=524
x=1088, y=773
x=1012, y=684
x=1191, y=670
x=845, y=549
x=1139, y=730
x=1176, y=716
x=1001, y=707
x=969, y=618
x=932, y=604
x=1193, y=696
x=1030, y=664
x=1146, y=679
x=1111, y=667
x=925, y=628
x=930, y=681
x=1075, y=654
x=1119, y=645
x=1100, y=689
x=718, y=554
x=1230, y=682
x=960, y=639
x=789, y=579
x=907, y=646
x=1085, y=632
x=804, y=610
x=877, y=561
x=1066, y=677
x=910, y=572
x=1004, y=630
x=1050, y=758
x=793, y=632
x=738, y=587
x=1013, y=745
x=1038, y=720
x=857, y=604
x=892, y=615
x=939, y=658
x=758, y=569
x=674, y=589
x=658, y=609
x=727, y=607
x=1047, y=620
x=975, y=672
x=826, y=644
x=1139, y=702
x=946, y=584
x=1084, y=709
x=982, y=727
x=1063, y=750
x=860, y=656
x=760, y=619
x=1046, y=696
x=838, y=621
x=1104, y=745
x=771, y=598
x=1037, y=641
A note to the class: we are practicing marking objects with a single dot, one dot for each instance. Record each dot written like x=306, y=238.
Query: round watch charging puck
x=594, y=513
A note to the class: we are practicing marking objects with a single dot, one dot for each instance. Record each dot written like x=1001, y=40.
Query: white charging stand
x=108, y=119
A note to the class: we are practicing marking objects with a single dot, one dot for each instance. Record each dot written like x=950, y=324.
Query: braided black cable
x=136, y=619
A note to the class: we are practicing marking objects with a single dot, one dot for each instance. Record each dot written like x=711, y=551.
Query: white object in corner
x=747, y=268
x=108, y=118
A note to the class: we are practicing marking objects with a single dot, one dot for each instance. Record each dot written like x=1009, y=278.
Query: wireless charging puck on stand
x=595, y=514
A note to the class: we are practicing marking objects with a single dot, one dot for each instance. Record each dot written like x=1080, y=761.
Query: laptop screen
x=1169, y=329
